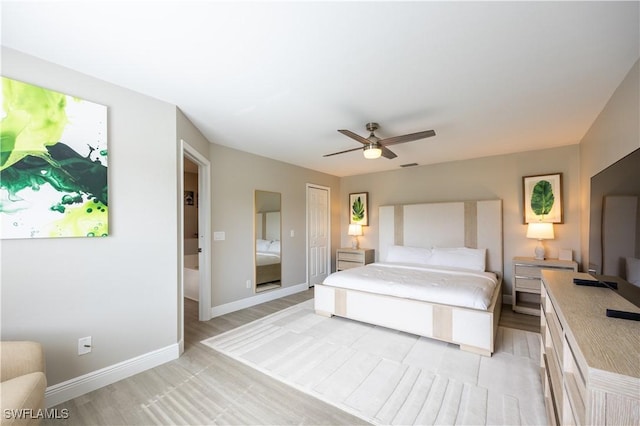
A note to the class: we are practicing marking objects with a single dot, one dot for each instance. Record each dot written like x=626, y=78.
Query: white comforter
x=267, y=258
x=437, y=284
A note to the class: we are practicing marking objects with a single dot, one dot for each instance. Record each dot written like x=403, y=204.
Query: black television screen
x=614, y=228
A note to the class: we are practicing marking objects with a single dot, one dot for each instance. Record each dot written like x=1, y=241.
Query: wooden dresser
x=590, y=362
x=347, y=258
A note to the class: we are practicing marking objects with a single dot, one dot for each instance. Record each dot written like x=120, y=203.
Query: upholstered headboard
x=473, y=224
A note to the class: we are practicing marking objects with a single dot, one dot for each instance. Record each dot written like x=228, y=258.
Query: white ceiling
x=279, y=79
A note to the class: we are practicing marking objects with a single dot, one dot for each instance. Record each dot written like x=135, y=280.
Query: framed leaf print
x=542, y=198
x=359, y=208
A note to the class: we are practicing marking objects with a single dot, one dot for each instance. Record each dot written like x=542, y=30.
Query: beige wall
x=482, y=178
x=235, y=176
x=614, y=134
x=121, y=289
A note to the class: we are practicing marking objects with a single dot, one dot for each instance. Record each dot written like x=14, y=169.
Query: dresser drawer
x=555, y=377
x=351, y=257
x=556, y=335
x=575, y=389
x=342, y=265
x=527, y=271
x=528, y=284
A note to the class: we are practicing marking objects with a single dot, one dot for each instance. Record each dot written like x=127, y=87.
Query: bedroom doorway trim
x=204, y=231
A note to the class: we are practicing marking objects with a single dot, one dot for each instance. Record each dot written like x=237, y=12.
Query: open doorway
x=194, y=234
x=190, y=246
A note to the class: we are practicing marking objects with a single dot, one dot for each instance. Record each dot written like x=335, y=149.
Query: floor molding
x=81, y=385
x=267, y=296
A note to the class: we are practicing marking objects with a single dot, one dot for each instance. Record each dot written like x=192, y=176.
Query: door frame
x=204, y=231
x=329, y=251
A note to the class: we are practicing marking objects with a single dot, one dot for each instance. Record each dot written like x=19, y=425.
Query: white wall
x=497, y=177
x=120, y=289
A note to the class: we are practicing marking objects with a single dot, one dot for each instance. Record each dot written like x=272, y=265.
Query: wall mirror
x=267, y=240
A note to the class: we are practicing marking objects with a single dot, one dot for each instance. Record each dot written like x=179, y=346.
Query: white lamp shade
x=540, y=231
x=371, y=152
x=355, y=229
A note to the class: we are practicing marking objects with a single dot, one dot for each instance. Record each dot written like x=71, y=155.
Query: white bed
x=466, y=312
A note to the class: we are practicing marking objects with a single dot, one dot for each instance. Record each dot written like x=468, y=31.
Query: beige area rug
x=388, y=377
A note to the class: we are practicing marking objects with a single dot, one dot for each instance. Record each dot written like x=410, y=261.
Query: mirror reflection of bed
x=268, y=263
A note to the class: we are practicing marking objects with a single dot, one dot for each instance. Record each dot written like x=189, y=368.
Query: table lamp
x=540, y=231
x=355, y=230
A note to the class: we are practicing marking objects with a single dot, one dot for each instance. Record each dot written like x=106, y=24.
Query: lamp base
x=354, y=243
x=539, y=251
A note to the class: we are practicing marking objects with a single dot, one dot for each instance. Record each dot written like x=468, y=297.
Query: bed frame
x=268, y=273
x=474, y=224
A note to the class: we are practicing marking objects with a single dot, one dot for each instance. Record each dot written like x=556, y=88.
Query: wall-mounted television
x=614, y=228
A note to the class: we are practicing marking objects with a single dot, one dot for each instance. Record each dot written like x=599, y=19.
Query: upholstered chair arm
x=18, y=358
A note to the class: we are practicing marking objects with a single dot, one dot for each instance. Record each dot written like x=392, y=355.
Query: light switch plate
x=219, y=236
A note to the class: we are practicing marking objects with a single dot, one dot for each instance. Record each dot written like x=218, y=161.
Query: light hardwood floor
x=511, y=319
x=206, y=387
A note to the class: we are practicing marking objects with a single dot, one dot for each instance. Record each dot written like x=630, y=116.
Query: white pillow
x=633, y=270
x=406, y=254
x=461, y=257
x=262, y=245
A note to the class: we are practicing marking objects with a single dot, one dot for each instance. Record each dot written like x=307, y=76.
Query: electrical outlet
x=84, y=345
x=248, y=283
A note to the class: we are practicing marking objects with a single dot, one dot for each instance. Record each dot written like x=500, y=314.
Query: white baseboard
x=81, y=385
x=267, y=296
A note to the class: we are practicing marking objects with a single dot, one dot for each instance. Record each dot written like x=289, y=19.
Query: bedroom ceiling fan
x=374, y=147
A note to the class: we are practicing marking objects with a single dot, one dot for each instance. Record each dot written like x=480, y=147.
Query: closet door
x=317, y=234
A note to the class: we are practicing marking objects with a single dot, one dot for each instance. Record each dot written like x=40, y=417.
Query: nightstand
x=527, y=281
x=347, y=258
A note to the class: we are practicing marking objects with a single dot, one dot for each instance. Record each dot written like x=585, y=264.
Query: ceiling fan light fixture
x=372, y=151
x=374, y=147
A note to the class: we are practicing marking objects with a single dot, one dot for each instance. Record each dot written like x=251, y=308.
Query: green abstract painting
x=53, y=164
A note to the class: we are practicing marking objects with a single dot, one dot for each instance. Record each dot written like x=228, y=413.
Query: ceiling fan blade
x=342, y=152
x=407, y=138
x=355, y=136
x=387, y=153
